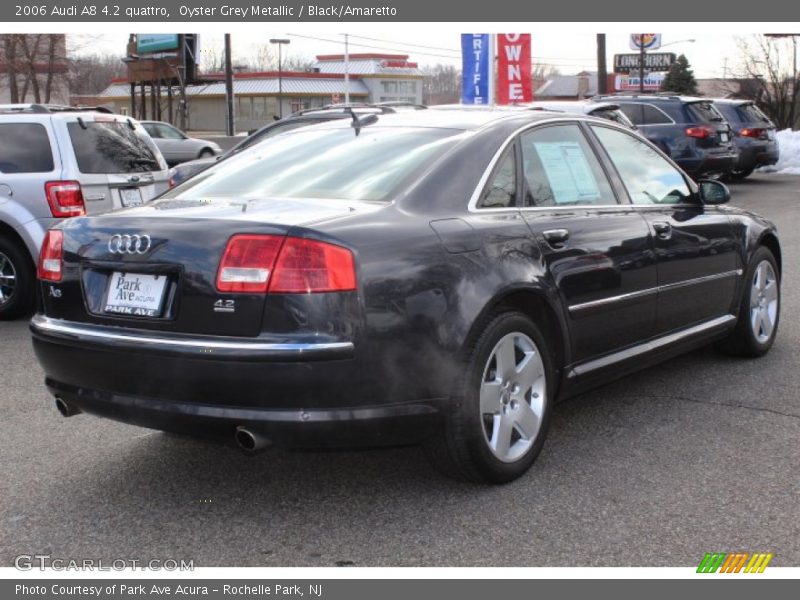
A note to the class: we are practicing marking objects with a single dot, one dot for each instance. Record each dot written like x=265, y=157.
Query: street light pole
x=280, y=42
x=641, y=63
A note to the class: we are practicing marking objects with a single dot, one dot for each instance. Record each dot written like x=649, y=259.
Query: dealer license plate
x=724, y=136
x=136, y=294
x=130, y=197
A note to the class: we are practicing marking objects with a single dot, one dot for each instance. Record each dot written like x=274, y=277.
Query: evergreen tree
x=680, y=78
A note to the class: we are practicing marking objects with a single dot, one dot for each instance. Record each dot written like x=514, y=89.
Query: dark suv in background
x=754, y=135
x=689, y=130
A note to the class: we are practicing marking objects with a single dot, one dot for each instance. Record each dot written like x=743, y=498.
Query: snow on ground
x=789, y=161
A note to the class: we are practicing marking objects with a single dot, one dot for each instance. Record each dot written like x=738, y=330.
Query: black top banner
x=244, y=11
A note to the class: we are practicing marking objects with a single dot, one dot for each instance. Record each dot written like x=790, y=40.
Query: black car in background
x=688, y=130
x=429, y=276
x=754, y=134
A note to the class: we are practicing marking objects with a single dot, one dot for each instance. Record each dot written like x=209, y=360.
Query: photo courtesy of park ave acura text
x=284, y=288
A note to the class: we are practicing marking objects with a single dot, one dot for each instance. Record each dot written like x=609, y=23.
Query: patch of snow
x=789, y=161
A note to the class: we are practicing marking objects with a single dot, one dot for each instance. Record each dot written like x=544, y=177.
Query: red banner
x=514, y=68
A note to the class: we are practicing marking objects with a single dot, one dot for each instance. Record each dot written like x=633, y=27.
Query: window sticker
x=568, y=172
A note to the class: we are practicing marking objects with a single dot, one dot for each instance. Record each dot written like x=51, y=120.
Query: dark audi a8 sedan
x=439, y=277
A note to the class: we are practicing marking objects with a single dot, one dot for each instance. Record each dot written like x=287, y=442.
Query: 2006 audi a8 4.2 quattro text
x=434, y=277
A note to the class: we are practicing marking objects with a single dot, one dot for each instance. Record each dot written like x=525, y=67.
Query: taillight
x=261, y=263
x=307, y=266
x=756, y=133
x=51, y=256
x=65, y=198
x=702, y=131
x=247, y=263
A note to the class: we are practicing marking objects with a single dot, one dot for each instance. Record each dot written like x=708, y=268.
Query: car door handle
x=663, y=229
x=556, y=237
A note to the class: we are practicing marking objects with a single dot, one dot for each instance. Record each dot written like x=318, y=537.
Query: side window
x=169, y=133
x=25, y=148
x=501, y=189
x=633, y=112
x=648, y=176
x=560, y=168
x=152, y=130
x=653, y=116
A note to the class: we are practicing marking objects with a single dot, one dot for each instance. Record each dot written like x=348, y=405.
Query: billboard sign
x=630, y=83
x=475, y=57
x=648, y=41
x=656, y=61
x=147, y=43
x=514, y=68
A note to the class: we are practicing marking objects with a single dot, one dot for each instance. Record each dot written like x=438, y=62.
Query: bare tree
x=33, y=64
x=442, y=84
x=768, y=75
x=91, y=74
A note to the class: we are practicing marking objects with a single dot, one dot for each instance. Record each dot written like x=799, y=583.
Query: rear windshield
x=750, y=113
x=327, y=163
x=703, y=112
x=110, y=147
x=612, y=114
x=25, y=148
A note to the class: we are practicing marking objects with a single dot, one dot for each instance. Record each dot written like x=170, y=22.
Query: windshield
x=327, y=163
x=110, y=147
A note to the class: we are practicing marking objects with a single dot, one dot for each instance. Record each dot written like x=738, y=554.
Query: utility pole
x=641, y=63
x=280, y=42
x=346, y=70
x=602, y=73
x=229, y=127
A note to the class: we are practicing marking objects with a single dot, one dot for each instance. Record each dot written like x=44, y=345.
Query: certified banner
x=475, y=50
x=514, y=68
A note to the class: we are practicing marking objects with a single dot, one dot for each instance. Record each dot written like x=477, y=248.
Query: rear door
x=114, y=159
x=597, y=250
x=698, y=265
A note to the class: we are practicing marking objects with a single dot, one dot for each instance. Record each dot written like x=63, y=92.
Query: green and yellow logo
x=734, y=562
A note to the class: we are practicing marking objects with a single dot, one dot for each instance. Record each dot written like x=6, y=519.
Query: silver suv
x=58, y=162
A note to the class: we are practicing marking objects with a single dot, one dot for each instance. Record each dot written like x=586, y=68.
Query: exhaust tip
x=66, y=409
x=250, y=441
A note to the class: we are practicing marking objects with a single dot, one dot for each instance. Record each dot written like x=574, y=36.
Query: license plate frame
x=130, y=196
x=135, y=294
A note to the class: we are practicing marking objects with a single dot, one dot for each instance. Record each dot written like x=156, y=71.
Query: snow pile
x=789, y=161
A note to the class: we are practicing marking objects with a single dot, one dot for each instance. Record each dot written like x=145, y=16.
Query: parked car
x=603, y=110
x=58, y=162
x=429, y=276
x=180, y=173
x=754, y=135
x=689, y=130
x=178, y=147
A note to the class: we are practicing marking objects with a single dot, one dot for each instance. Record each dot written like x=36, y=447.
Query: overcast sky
x=569, y=47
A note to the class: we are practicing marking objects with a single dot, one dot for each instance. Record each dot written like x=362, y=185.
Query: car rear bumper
x=297, y=396
x=708, y=164
x=757, y=155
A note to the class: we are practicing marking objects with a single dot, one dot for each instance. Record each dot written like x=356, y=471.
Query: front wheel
x=502, y=409
x=205, y=153
x=759, y=311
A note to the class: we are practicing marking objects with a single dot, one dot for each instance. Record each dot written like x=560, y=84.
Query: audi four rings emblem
x=129, y=244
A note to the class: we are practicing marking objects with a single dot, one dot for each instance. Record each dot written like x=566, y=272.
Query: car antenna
x=82, y=124
x=357, y=123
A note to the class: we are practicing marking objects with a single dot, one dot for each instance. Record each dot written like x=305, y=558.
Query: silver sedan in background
x=176, y=146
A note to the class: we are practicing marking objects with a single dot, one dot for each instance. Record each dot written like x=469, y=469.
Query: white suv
x=58, y=162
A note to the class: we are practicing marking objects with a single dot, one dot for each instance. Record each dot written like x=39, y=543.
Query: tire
x=205, y=153
x=501, y=413
x=17, y=281
x=736, y=175
x=759, y=310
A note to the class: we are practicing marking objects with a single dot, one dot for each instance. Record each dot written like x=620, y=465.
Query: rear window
x=25, y=148
x=110, y=147
x=750, y=113
x=327, y=163
x=612, y=114
x=703, y=112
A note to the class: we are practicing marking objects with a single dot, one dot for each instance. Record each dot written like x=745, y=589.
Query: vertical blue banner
x=475, y=48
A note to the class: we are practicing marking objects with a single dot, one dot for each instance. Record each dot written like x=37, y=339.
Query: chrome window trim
x=472, y=207
x=576, y=308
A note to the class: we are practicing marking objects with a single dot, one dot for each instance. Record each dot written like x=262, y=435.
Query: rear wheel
x=738, y=175
x=17, y=281
x=759, y=311
x=205, y=153
x=501, y=417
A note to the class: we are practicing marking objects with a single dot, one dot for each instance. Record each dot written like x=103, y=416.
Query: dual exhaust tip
x=246, y=439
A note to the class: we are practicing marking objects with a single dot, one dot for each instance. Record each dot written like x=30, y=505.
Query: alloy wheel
x=764, y=301
x=8, y=279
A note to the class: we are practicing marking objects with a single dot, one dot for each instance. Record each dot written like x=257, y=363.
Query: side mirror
x=713, y=192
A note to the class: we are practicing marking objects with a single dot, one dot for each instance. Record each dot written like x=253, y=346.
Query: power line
x=363, y=37
x=371, y=47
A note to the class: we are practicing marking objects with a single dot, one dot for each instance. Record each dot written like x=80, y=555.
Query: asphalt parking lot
x=699, y=454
